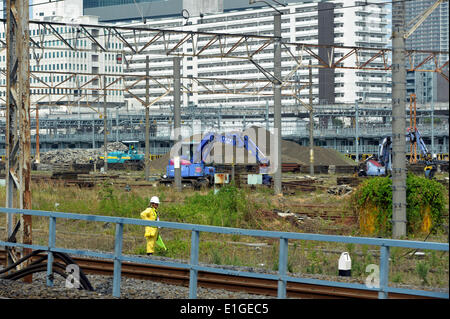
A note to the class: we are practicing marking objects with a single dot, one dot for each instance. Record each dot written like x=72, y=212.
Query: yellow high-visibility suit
x=151, y=233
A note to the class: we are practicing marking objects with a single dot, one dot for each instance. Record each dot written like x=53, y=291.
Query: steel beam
x=227, y=45
x=147, y=121
x=177, y=119
x=311, y=123
x=105, y=129
x=277, y=105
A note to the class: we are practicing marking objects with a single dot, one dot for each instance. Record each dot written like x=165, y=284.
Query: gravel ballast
x=130, y=289
x=145, y=289
x=103, y=286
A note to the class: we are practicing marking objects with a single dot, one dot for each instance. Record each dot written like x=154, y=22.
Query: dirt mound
x=322, y=156
x=291, y=152
x=160, y=163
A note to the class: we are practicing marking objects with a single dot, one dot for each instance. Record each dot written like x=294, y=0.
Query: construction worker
x=430, y=166
x=151, y=233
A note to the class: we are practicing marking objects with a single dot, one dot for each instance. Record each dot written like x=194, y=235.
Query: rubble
x=340, y=190
x=77, y=156
x=293, y=216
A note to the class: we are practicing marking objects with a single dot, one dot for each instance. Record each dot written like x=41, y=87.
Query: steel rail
x=178, y=276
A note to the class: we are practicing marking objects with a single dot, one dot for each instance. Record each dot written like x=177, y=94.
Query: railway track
x=84, y=180
x=177, y=276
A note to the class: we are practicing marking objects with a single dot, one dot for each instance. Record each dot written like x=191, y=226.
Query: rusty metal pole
x=38, y=154
x=147, y=120
x=311, y=123
x=18, y=140
x=177, y=120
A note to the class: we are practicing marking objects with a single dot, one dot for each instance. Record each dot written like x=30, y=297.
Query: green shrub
x=373, y=202
x=425, y=198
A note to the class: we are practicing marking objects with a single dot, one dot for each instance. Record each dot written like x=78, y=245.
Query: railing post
x=384, y=272
x=117, y=260
x=51, y=244
x=193, y=274
x=282, y=267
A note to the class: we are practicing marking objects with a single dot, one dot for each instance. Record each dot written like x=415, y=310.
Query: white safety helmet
x=155, y=200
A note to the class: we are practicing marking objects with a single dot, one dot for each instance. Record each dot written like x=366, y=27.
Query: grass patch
x=229, y=207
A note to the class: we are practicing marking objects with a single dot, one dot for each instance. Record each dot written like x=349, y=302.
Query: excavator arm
x=415, y=137
x=233, y=138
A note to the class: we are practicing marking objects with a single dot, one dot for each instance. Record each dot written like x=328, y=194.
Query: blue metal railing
x=194, y=266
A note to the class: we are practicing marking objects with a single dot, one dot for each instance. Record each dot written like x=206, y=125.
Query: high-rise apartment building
x=345, y=23
x=339, y=22
x=431, y=35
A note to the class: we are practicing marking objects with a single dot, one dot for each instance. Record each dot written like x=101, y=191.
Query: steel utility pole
x=18, y=140
x=398, y=120
x=147, y=120
x=277, y=103
x=311, y=123
x=177, y=120
x=105, y=134
x=357, y=131
x=432, y=114
x=38, y=154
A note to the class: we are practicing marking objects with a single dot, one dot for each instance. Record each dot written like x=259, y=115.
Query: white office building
x=62, y=78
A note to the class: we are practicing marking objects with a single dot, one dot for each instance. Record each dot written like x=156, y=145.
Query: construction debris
x=293, y=216
x=76, y=156
x=340, y=190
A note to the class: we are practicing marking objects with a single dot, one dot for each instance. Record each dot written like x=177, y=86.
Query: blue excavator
x=383, y=165
x=194, y=169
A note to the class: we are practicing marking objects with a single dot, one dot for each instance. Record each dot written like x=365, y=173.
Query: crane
x=421, y=18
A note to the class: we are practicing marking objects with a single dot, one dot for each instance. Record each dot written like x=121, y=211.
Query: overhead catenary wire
x=143, y=28
x=133, y=29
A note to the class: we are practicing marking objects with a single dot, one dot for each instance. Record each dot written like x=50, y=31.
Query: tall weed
x=227, y=208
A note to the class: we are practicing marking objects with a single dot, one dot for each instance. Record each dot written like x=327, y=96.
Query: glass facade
x=104, y=3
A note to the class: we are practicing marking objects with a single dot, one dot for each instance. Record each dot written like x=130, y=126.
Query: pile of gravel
x=292, y=152
x=130, y=289
x=145, y=289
